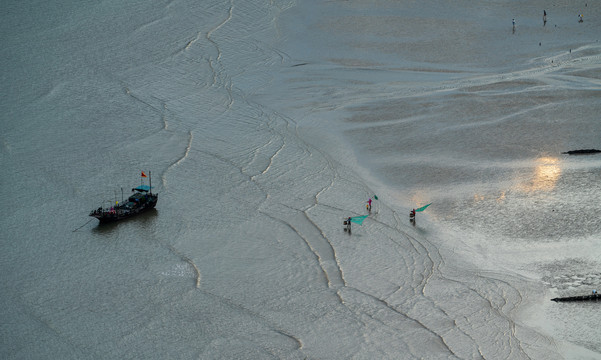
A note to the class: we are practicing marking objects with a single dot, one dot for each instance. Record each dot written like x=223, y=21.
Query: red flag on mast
x=143, y=175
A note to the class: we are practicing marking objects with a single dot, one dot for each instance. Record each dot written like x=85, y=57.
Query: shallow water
x=476, y=123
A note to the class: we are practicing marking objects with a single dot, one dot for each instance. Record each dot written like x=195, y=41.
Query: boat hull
x=592, y=297
x=110, y=216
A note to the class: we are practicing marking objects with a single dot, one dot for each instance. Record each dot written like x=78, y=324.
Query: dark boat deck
x=141, y=200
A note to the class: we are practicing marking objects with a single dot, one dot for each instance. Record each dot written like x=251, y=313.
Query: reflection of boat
x=592, y=297
x=141, y=200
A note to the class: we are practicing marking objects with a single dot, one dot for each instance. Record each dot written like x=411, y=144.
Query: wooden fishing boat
x=141, y=200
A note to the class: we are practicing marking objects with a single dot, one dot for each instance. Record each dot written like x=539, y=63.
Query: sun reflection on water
x=546, y=174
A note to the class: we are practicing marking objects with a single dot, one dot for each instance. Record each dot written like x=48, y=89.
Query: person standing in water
x=369, y=205
x=544, y=17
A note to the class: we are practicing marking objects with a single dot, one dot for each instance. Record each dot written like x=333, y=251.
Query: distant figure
x=580, y=18
x=348, y=225
x=369, y=205
x=513, y=23
x=412, y=215
x=544, y=17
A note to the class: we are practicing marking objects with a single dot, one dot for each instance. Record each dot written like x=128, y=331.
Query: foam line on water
x=321, y=260
x=189, y=261
x=210, y=32
x=191, y=42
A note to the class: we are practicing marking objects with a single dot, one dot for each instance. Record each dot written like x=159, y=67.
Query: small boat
x=592, y=297
x=582, y=152
x=141, y=200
